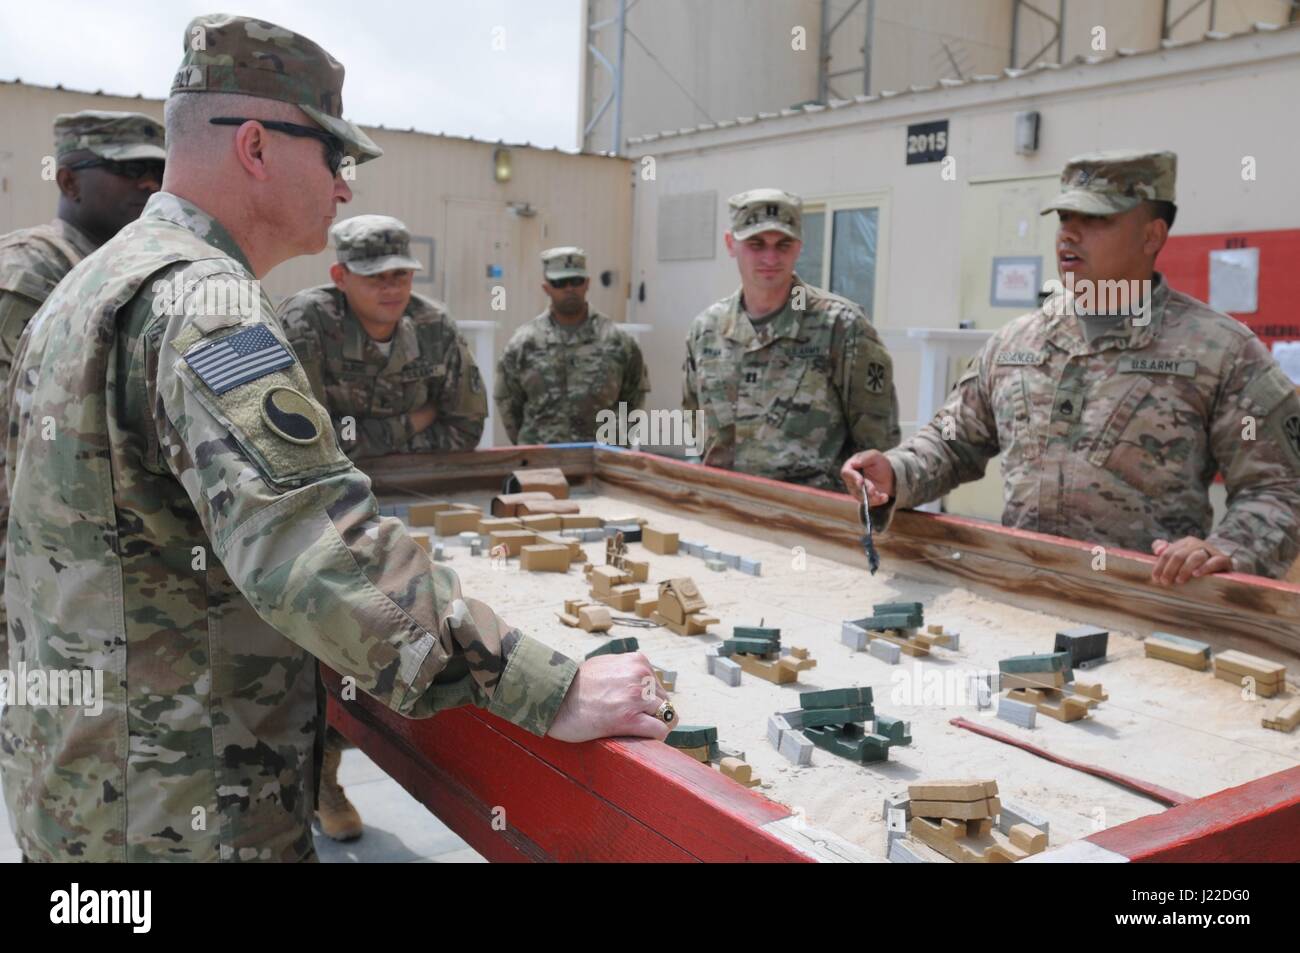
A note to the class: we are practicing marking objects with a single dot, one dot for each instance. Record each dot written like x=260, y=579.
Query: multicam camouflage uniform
x=553, y=379
x=193, y=530
x=1117, y=441
x=429, y=363
x=795, y=397
x=34, y=260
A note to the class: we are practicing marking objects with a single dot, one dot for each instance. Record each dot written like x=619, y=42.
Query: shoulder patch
x=238, y=359
x=290, y=415
x=1269, y=389
x=1291, y=436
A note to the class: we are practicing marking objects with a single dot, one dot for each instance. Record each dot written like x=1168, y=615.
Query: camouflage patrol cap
x=567, y=261
x=230, y=54
x=369, y=244
x=110, y=135
x=766, y=210
x=1106, y=183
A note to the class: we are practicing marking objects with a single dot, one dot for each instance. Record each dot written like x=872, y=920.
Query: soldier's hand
x=423, y=418
x=871, y=467
x=611, y=695
x=1188, y=558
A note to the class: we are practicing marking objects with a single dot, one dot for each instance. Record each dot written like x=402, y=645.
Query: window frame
x=848, y=201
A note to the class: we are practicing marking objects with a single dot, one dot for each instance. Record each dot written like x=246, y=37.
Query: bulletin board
x=1185, y=263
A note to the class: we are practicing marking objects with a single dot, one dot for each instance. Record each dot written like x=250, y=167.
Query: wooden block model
x=453, y=521
x=665, y=544
x=422, y=514
x=544, y=558
x=645, y=607
x=1284, y=718
x=638, y=569
x=544, y=479
x=1185, y=652
x=583, y=615
x=909, y=645
x=1053, y=703
x=542, y=523
x=508, y=504
x=603, y=579
x=512, y=539
x=1233, y=666
x=488, y=525
x=739, y=771
x=681, y=607
x=422, y=539
x=558, y=508
x=577, y=521
x=963, y=790
x=1032, y=680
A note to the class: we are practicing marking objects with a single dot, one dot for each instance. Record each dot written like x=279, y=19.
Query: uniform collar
x=356, y=342
x=737, y=327
x=584, y=332
x=74, y=236
x=1063, y=329
x=172, y=208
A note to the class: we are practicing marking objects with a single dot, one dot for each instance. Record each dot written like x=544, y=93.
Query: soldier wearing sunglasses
x=567, y=364
x=108, y=164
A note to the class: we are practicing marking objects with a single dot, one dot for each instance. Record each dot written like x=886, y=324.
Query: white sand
x=1164, y=724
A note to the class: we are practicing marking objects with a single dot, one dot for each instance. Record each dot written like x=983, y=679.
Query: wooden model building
x=681, y=607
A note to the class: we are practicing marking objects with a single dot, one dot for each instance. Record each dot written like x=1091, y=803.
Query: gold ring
x=666, y=713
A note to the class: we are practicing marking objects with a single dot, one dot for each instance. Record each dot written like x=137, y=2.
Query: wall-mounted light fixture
x=1027, y=132
x=501, y=165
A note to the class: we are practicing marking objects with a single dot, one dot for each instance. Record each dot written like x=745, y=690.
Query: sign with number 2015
x=927, y=142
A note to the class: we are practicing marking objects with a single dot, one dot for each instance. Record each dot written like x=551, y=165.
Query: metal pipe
x=616, y=147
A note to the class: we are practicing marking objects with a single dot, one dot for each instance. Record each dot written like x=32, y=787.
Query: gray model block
x=731, y=559
x=901, y=852
x=751, y=566
x=725, y=670
x=1014, y=812
x=795, y=748
x=776, y=727
x=855, y=637
x=981, y=690
x=1018, y=713
x=793, y=717
x=726, y=752
x=689, y=546
x=708, y=552
x=885, y=651
x=717, y=565
x=439, y=553
x=899, y=802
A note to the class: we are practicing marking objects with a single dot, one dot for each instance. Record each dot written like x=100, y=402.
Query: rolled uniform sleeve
x=510, y=396
x=869, y=399
x=1255, y=438
x=296, y=527
x=953, y=448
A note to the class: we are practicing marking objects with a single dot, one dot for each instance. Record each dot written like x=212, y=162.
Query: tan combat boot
x=338, y=819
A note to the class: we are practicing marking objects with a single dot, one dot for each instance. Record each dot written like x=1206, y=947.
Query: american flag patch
x=238, y=359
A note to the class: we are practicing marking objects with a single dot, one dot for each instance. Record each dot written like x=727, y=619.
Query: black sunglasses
x=129, y=169
x=334, y=152
x=565, y=282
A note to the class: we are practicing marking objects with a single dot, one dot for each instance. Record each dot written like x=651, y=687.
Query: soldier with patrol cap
x=791, y=378
x=1113, y=422
x=107, y=166
x=193, y=530
x=568, y=364
x=389, y=365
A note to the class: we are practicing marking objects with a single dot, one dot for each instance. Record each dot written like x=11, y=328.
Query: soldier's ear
x=69, y=184
x=338, y=275
x=1155, y=233
x=730, y=241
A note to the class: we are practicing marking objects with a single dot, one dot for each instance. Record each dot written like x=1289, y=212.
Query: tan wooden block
x=1284, y=718
x=573, y=605
x=976, y=789
x=572, y=545
x=578, y=521
x=798, y=652
x=1028, y=838
x=547, y=523
x=509, y=504
x=1178, y=654
x=1068, y=708
x=957, y=810
x=657, y=541
x=934, y=629
x=772, y=671
x=639, y=570
x=622, y=598
x=422, y=514
x=1032, y=680
x=699, y=754
x=953, y=840
x=645, y=608
x=796, y=664
x=544, y=558
x=543, y=507
x=604, y=578
x=735, y=769
x=495, y=524
x=1262, y=689
x=624, y=520
x=595, y=619
x=422, y=539
x=980, y=828
x=543, y=479
x=1262, y=670
x=453, y=521
x=1091, y=690
x=667, y=680
x=908, y=645
x=512, y=539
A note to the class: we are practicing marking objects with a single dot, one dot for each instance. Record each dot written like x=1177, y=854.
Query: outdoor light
x=501, y=165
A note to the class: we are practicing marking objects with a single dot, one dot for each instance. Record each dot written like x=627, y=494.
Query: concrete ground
x=399, y=829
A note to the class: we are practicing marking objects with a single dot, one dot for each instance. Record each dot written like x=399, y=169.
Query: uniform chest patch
x=238, y=359
x=290, y=415
x=1157, y=365
x=1020, y=358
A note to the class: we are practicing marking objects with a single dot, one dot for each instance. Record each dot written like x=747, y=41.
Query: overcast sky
x=423, y=63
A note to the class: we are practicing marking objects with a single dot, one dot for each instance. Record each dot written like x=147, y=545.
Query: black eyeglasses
x=130, y=169
x=558, y=283
x=334, y=152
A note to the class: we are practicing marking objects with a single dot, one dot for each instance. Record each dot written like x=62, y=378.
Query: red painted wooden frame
x=513, y=796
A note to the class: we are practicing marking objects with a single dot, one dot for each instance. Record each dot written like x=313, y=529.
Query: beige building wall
x=462, y=220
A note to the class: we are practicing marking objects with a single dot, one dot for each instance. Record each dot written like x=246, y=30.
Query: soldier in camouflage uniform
x=108, y=164
x=184, y=521
x=568, y=364
x=791, y=379
x=1112, y=425
x=389, y=365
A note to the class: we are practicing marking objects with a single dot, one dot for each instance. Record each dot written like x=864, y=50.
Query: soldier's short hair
x=1163, y=210
x=186, y=115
